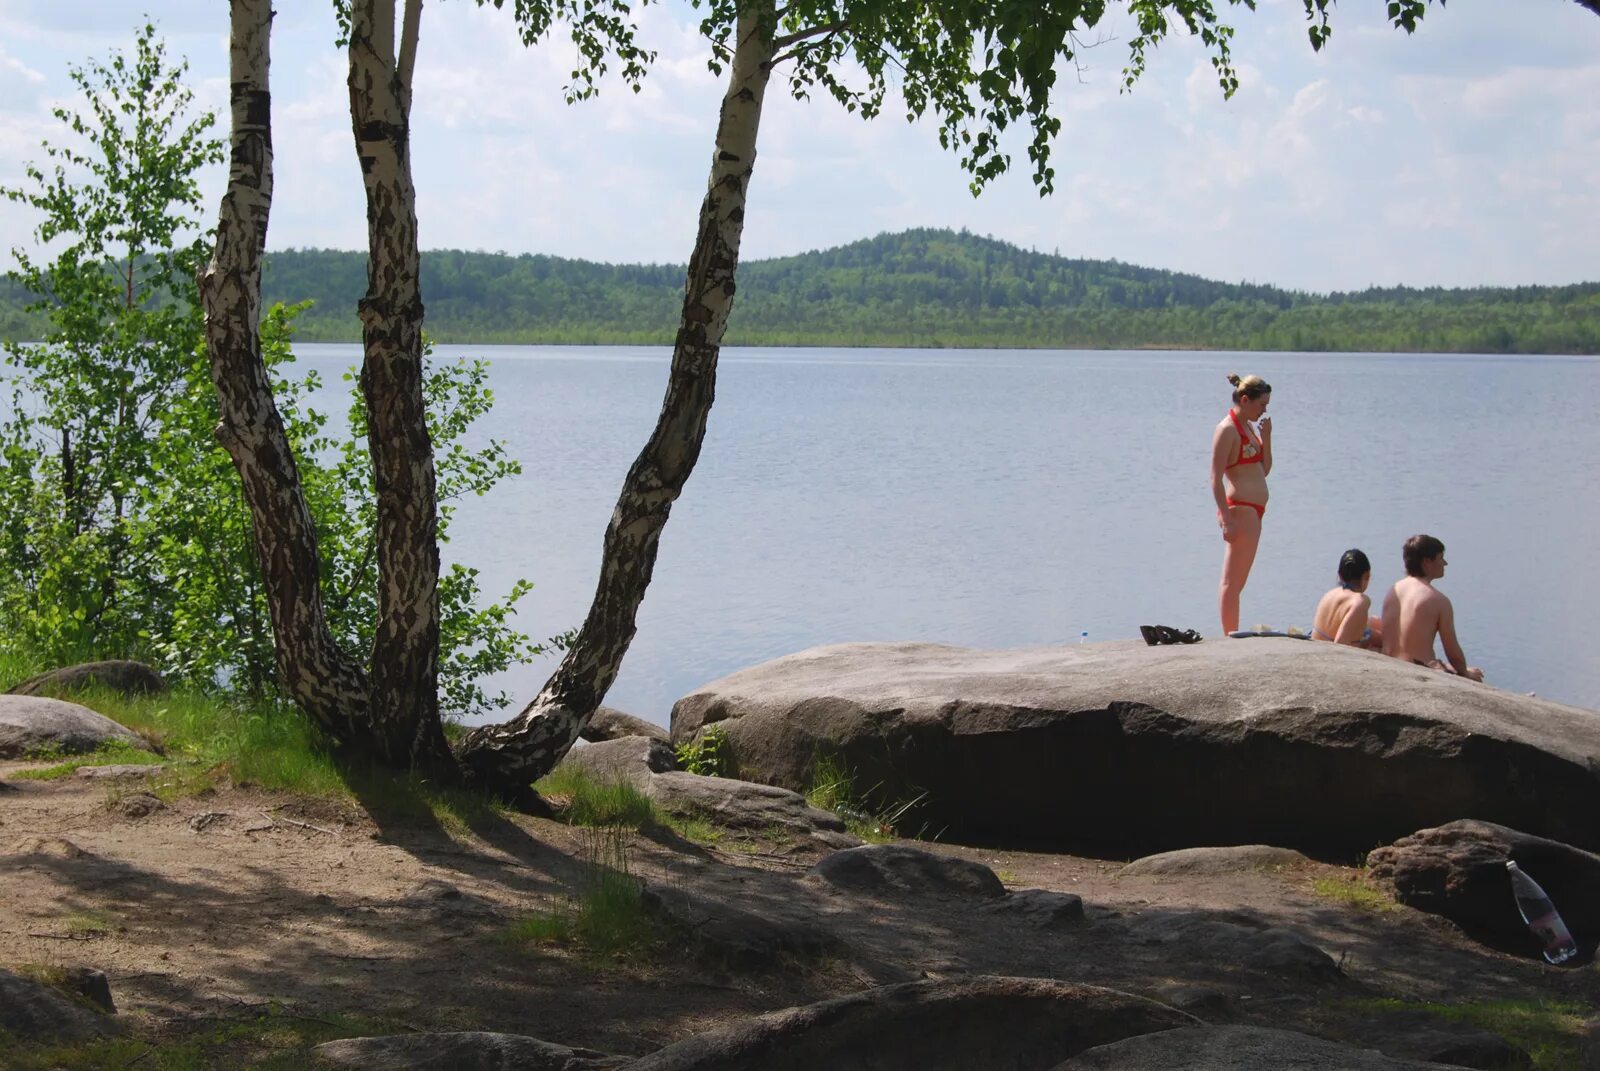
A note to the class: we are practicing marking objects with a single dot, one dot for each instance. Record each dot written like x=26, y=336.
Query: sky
x=1463, y=155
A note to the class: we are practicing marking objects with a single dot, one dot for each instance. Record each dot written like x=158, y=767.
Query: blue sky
x=1463, y=155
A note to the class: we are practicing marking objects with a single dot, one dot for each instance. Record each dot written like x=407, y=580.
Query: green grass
x=608, y=919
x=833, y=788
x=273, y=1040
x=590, y=801
x=1550, y=1031
x=1353, y=890
x=90, y=924
x=109, y=753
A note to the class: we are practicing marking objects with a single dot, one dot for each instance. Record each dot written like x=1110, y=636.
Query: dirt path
x=216, y=905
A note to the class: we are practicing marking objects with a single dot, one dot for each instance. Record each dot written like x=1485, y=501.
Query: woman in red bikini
x=1240, y=460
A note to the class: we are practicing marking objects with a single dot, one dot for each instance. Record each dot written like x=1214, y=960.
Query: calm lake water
x=1004, y=498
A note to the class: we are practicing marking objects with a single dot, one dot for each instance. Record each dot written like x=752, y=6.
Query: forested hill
x=936, y=288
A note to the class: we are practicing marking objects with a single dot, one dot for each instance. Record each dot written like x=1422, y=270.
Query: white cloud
x=1460, y=155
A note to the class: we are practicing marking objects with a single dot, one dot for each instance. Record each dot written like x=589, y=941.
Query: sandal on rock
x=1156, y=635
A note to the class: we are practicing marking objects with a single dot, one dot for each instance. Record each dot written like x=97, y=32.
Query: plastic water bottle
x=1083, y=637
x=1541, y=916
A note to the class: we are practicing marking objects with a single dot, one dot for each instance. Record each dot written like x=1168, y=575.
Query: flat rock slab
x=993, y=1023
x=1129, y=748
x=745, y=805
x=1458, y=870
x=1235, y=1048
x=899, y=869
x=119, y=675
x=34, y=1012
x=1272, y=949
x=468, y=1050
x=30, y=724
x=1199, y=862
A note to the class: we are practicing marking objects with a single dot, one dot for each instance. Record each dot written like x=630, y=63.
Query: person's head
x=1355, y=571
x=1419, y=552
x=1250, y=394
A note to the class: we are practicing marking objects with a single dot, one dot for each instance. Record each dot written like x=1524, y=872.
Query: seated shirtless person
x=1343, y=614
x=1414, y=613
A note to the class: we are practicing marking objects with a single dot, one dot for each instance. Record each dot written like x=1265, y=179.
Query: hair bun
x=1233, y=378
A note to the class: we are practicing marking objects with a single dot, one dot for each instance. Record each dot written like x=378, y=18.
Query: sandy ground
x=218, y=905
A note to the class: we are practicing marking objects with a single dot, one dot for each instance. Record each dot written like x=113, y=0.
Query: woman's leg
x=1238, y=555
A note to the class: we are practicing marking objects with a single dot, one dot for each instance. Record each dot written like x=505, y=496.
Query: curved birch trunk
x=404, y=668
x=524, y=749
x=315, y=673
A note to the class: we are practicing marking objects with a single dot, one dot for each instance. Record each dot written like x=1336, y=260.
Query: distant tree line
x=933, y=288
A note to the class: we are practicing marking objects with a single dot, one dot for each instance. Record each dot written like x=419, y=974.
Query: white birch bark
x=522, y=750
x=314, y=672
x=405, y=654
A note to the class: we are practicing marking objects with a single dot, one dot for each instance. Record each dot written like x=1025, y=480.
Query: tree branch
x=788, y=39
x=408, y=51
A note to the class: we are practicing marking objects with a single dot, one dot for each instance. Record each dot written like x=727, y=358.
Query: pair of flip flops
x=1158, y=635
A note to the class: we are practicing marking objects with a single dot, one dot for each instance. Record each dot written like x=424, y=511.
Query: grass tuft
x=589, y=801
x=1353, y=890
x=833, y=788
x=609, y=918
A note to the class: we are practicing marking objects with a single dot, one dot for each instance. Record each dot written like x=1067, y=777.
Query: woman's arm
x=1222, y=447
x=1264, y=430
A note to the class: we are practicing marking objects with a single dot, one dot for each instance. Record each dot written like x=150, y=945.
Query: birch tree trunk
x=315, y=673
x=404, y=669
x=520, y=751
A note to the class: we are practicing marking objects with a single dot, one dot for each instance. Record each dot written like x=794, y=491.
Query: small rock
x=1190, y=862
x=464, y=1051
x=91, y=985
x=608, y=723
x=206, y=819
x=431, y=891
x=628, y=758
x=49, y=847
x=35, y=1012
x=139, y=805
x=1042, y=907
x=121, y=770
x=882, y=868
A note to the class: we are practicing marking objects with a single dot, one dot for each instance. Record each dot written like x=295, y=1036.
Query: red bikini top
x=1249, y=449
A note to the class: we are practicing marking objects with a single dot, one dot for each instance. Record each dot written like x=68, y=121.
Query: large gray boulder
x=993, y=1023
x=1134, y=748
x=120, y=675
x=33, y=724
x=1235, y=1048
x=899, y=869
x=1458, y=870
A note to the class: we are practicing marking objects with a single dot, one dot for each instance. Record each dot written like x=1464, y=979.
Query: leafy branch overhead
x=980, y=67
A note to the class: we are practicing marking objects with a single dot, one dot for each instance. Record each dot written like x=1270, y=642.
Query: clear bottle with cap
x=1541, y=916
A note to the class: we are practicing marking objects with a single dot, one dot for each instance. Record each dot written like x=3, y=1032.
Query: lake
x=998, y=498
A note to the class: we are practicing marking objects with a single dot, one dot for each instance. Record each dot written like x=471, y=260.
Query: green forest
x=930, y=288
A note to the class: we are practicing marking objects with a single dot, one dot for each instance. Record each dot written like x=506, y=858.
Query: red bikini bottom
x=1261, y=511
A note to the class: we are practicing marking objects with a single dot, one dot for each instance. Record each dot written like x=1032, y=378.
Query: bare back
x=1342, y=617
x=1414, y=612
